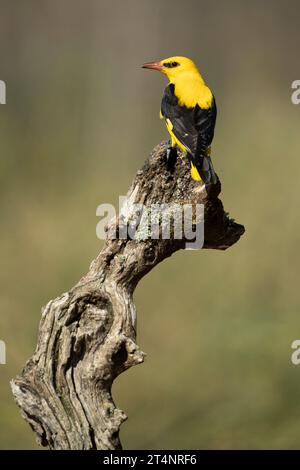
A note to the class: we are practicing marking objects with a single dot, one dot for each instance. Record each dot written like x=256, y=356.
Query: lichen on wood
x=87, y=337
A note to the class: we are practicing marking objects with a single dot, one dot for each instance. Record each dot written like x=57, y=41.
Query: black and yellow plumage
x=189, y=110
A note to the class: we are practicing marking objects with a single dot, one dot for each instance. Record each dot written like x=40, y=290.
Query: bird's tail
x=204, y=171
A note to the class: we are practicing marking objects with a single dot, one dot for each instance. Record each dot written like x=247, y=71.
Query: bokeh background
x=81, y=116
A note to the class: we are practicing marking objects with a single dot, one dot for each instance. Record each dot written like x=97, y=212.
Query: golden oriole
x=189, y=109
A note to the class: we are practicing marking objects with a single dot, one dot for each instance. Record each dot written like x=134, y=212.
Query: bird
x=189, y=109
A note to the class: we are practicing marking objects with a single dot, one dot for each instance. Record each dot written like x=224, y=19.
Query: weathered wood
x=87, y=337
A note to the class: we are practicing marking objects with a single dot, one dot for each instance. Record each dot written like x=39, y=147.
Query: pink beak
x=153, y=66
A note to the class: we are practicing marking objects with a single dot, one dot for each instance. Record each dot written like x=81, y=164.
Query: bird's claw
x=171, y=157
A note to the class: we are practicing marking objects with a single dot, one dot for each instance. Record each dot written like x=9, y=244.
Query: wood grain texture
x=87, y=337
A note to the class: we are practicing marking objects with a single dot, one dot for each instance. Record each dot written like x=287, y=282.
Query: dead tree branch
x=87, y=336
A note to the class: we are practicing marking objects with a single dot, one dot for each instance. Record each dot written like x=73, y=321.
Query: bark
x=87, y=337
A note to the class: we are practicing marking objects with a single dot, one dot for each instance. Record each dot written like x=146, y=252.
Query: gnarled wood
x=87, y=336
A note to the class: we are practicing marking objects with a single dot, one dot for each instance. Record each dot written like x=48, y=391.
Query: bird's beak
x=153, y=66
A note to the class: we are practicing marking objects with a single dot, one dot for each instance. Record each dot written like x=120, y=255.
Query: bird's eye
x=171, y=64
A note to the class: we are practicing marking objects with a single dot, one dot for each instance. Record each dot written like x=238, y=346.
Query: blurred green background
x=81, y=116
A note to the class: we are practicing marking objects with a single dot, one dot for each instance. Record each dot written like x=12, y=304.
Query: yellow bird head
x=174, y=67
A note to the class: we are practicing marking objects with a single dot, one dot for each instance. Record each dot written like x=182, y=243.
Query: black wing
x=193, y=127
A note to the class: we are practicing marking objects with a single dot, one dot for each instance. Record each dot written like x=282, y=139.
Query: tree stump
x=87, y=336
